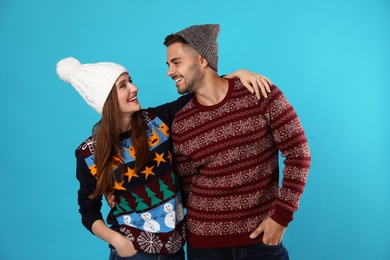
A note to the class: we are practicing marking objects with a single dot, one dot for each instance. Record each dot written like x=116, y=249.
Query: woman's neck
x=125, y=124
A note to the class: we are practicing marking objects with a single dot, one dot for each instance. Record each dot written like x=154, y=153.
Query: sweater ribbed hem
x=242, y=239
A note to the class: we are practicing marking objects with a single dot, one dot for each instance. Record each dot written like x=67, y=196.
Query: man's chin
x=181, y=91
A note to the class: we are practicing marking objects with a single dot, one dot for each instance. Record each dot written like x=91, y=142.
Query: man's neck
x=211, y=90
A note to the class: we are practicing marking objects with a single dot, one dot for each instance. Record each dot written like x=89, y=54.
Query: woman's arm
x=252, y=81
x=90, y=209
x=122, y=244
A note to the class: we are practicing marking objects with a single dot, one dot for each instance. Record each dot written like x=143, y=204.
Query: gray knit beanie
x=203, y=38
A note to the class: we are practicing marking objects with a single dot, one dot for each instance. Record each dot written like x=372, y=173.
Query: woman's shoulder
x=87, y=147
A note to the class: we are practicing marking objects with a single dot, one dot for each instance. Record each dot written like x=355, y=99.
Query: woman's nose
x=133, y=88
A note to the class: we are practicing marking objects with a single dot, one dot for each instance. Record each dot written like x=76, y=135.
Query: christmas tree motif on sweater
x=140, y=202
x=175, y=180
x=167, y=193
x=161, y=218
x=152, y=195
x=122, y=206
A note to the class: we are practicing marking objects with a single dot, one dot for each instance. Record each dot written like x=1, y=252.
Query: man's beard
x=193, y=78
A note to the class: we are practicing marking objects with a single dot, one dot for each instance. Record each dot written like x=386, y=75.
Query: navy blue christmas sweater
x=149, y=209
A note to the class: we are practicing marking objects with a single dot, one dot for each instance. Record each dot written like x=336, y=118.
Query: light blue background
x=331, y=58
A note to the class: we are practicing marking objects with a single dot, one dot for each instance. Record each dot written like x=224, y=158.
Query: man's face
x=183, y=67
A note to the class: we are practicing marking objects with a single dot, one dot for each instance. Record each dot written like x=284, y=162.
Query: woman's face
x=127, y=95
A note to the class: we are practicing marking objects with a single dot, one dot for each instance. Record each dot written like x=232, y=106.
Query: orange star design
x=170, y=156
x=130, y=174
x=148, y=171
x=118, y=185
x=159, y=158
x=93, y=170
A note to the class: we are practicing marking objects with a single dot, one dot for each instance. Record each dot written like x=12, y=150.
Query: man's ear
x=203, y=62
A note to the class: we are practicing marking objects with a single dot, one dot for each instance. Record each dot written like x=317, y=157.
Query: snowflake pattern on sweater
x=227, y=160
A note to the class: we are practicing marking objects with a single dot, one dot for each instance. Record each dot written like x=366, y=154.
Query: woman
x=129, y=155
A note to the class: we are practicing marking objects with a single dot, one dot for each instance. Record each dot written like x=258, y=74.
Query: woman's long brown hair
x=108, y=151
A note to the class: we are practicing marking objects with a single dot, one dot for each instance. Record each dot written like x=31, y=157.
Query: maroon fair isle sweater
x=227, y=160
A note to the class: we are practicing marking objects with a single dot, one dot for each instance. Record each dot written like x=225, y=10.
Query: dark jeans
x=259, y=251
x=144, y=256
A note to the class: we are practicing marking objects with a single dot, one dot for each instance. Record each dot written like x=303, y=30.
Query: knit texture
x=148, y=207
x=92, y=81
x=203, y=38
x=227, y=154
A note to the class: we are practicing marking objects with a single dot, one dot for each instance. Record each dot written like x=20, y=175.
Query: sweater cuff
x=282, y=216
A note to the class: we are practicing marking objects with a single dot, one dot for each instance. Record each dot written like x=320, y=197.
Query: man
x=226, y=145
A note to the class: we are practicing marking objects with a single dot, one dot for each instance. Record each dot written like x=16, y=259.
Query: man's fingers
x=257, y=232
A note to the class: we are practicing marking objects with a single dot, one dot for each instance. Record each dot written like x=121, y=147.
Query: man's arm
x=290, y=139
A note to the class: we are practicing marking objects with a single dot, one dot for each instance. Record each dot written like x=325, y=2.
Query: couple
x=221, y=142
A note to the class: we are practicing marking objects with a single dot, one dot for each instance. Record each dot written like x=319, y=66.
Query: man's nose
x=170, y=71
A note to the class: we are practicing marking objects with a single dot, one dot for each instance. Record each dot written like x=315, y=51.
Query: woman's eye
x=123, y=85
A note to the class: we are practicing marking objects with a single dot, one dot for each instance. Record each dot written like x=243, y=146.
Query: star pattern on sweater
x=159, y=158
x=119, y=185
x=130, y=174
x=170, y=157
x=148, y=171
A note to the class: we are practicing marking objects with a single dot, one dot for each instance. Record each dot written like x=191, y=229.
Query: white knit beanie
x=93, y=81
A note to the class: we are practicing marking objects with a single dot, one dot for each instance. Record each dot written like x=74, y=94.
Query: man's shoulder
x=187, y=107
